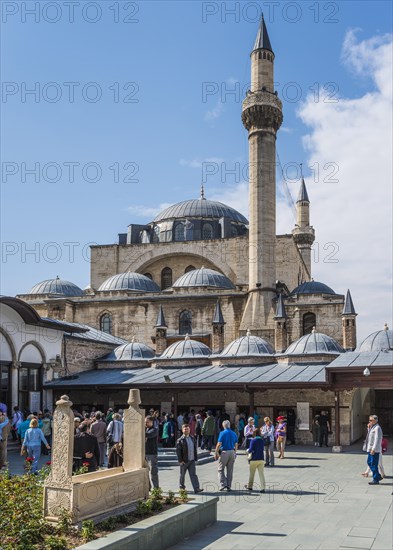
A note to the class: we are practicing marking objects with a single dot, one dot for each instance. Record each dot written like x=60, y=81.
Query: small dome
x=313, y=287
x=186, y=349
x=200, y=208
x=135, y=351
x=57, y=286
x=248, y=346
x=203, y=277
x=378, y=341
x=129, y=281
x=316, y=342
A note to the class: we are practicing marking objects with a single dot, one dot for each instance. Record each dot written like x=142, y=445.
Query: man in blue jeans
x=226, y=455
x=374, y=448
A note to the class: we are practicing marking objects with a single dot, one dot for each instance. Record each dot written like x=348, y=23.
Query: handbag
x=280, y=438
x=249, y=456
x=266, y=441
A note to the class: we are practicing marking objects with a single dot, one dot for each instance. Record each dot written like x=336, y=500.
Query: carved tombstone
x=58, y=485
x=134, y=434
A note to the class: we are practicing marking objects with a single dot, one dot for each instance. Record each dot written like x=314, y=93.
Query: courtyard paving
x=314, y=499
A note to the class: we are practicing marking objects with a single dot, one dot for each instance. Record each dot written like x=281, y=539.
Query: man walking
x=374, y=448
x=324, y=429
x=186, y=450
x=98, y=429
x=151, y=450
x=226, y=454
x=208, y=429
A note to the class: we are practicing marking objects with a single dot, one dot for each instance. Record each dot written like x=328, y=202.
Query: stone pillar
x=280, y=335
x=58, y=486
x=218, y=338
x=161, y=342
x=134, y=434
x=349, y=332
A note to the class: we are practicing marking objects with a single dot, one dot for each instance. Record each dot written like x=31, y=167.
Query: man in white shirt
x=374, y=448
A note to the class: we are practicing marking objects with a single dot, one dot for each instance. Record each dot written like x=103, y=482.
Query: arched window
x=179, y=232
x=309, y=321
x=234, y=232
x=207, y=231
x=166, y=278
x=189, y=268
x=264, y=55
x=149, y=276
x=106, y=323
x=185, y=322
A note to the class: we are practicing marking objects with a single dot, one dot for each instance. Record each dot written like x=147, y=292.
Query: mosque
x=202, y=307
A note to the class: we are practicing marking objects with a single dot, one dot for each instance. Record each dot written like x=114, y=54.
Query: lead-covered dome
x=57, y=286
x=381, y=340
x=129, y=281
x=313, y=287
x=246, y=346
x=200, y=208
x=314, y=343
x=134, y=351
x=204, y=277
x=186, y=349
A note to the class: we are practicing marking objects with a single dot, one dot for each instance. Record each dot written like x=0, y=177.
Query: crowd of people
x=98, y=441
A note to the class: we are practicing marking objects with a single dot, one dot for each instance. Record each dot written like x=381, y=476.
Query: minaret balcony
x=261, y=110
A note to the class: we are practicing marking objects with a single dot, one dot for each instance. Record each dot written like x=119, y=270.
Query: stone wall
x=81, y=354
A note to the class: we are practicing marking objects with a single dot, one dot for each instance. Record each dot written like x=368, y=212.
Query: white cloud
x=147, y=212
x=198, y=163
x=216, y=112
x=286, y=130
x=355, y=213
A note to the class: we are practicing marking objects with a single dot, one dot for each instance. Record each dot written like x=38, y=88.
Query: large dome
x=378, y=341
x=247, y=346
x=57, y=286
x=135, y=351
x=316, y=342
x=186, y=349
x=200, y=208
x=313, y=287
x=129, y=281
x=204, y=277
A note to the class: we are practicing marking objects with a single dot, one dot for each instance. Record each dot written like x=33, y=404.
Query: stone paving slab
x=314, y=499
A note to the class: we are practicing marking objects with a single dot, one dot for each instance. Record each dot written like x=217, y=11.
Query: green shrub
x=170, y=499
x=183, y=495
x=55, y=543
x=87, y=530
x=156, y=493
x=108, y=524
x=64, y=522
x=143, y=508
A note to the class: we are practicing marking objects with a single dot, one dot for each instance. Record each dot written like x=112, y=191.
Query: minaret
x=218, y=330
x=349, y=324
x=262, y=117
x=304, y=233
x=280, y=329
x=161, y=328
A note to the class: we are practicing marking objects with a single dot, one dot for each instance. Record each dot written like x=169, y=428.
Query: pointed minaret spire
x=202, y=192
x=160, y=323
x=349, y=323
x=262, y=41
x=303, y=195
x=280, y=310
x=349, y=308
x=218, y=329
x=218, y=318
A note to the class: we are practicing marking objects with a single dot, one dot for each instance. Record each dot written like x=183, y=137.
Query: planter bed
x=163, y=530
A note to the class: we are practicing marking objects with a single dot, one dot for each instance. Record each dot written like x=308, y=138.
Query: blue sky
x=166, y=58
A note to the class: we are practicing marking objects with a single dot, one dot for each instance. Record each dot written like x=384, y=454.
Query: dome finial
x=248, y=333
x=313, y=330
x=133, y=340
x=385, y=327
x=202, y=192
x=187, y=337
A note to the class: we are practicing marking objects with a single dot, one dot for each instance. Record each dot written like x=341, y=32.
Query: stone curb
x=163, y=530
